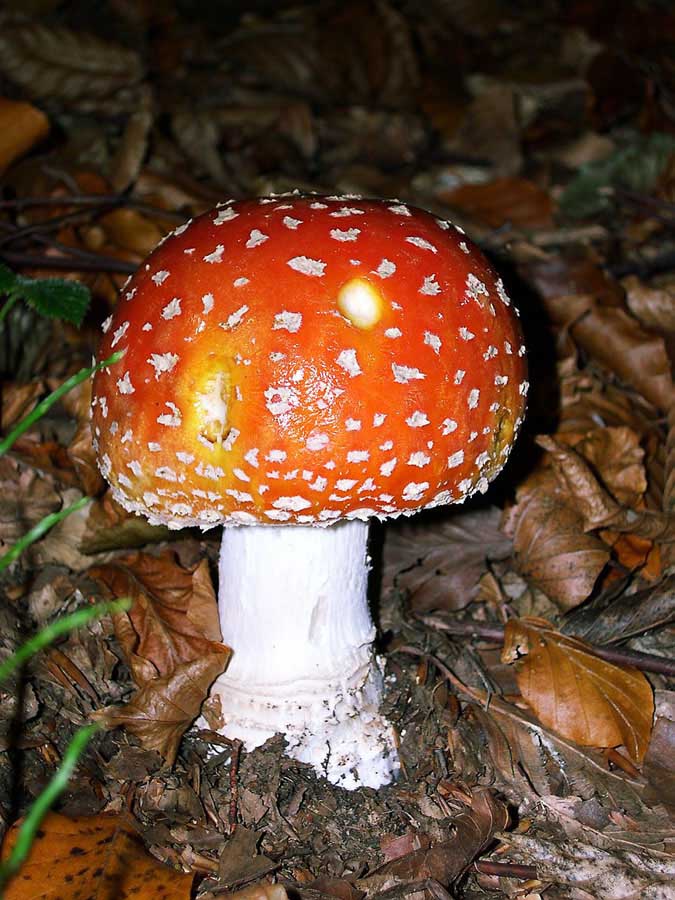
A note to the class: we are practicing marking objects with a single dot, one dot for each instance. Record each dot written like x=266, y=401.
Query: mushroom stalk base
x=293, y=608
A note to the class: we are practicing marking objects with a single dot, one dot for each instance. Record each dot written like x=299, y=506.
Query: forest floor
x=547, y=131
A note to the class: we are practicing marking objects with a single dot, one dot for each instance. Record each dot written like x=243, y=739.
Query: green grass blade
x=42, y=804
x=53, y=398
x=7, y=307
x=56, y=629
x=38, y=530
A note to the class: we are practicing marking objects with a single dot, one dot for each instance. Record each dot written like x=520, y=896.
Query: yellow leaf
x=91, y=856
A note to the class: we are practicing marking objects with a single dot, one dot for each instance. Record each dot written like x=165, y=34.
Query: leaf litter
x=547, y=135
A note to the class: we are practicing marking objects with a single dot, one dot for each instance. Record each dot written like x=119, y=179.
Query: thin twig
x=647, y=662
x=92, y=200
x=97, y=264
x=234, y=784
x=506, y=870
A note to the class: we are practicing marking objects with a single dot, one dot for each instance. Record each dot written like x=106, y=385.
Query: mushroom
x=295, y=366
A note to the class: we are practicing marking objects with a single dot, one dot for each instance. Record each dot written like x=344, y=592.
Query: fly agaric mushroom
x=293, y=367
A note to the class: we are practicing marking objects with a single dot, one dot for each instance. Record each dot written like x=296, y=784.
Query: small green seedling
x=58, y=298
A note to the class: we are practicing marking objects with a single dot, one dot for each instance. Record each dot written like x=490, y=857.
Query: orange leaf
x=21, y=126
x=91, y=856
x=576, y=694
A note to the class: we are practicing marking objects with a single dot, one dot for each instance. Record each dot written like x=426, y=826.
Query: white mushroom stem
x=294, y=610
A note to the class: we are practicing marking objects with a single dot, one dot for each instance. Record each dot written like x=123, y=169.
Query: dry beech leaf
x=440, y=565
x=161, y=712
x=80, y=450
x=17, y=401
x=21, y=126
x=550, y=545
x=595, y=505
x=258, y=892
x=576, y=694
x=616, y=455
x=73, y=67
x=515, y=201
x=91, y=856
x=654, y=307
x=111, y=527
x=174, y=615
x=473, y=828
x=580, y=297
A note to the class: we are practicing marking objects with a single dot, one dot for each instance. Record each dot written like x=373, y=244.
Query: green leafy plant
x=77, y=744
x=54, y=297
x=635, y=166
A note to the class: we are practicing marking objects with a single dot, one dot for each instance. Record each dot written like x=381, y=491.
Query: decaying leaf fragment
x=576, y=694
x=171, y=640
x=91, y=856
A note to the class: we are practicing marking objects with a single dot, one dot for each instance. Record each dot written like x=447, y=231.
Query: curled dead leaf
x=550, y=545
x=162, y=711
x=173, y=618
x=595, y=504
x=91, y=856
x=578, y=695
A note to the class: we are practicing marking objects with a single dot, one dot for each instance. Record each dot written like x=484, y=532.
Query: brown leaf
x=111, y=527
x=80, y=450
x=17, y=401
x=581, y=697
x=596, y=506
x=258, y=892
x=616, y=455
x=161, y=712
x=25, y=499
x=174, y=615
x=654, y=307
x=490, y=131
x=581, y=297
x=75, y=67
x=551, y=547
x=473, y=829
x=21, y=127
x=620, y=344
x=91, y=856
x=514, y=201
x=240, y=859
x=440, y=565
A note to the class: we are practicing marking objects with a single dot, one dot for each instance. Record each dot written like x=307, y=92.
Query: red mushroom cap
x=305, y=359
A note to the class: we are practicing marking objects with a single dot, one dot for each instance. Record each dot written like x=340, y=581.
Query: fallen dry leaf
x=111, y=527
x=173, y=618
x=654, y=307
x=596, y=506
x=80, y=450
x=576, y=694
x=22, y=125
x=513, y=201
x=440, y=564
x=91, y=856
x=550, y=545
x=616, y=455
x=161, y=712
x=473, y=829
